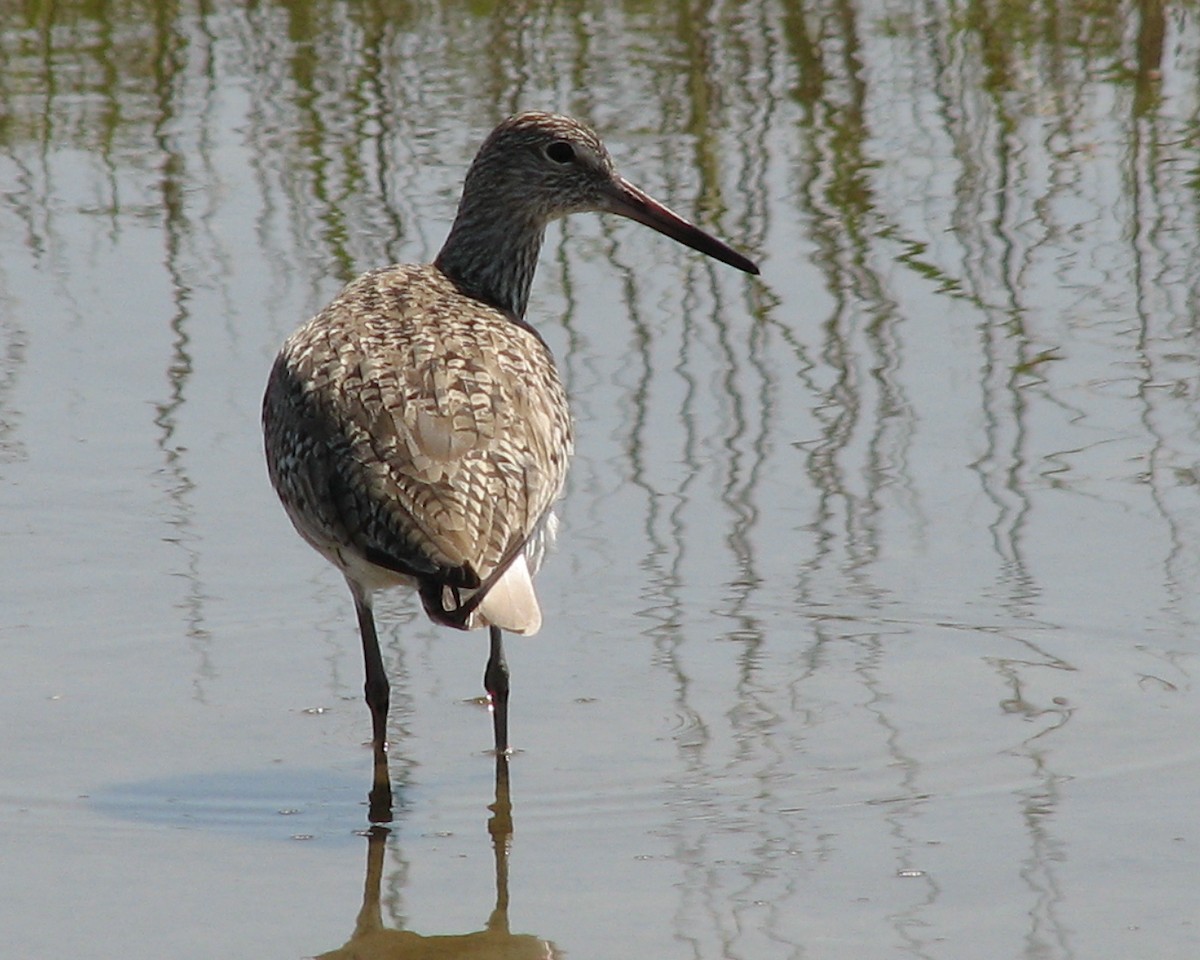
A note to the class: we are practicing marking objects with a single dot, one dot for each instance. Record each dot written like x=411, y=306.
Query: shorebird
x=416, y=429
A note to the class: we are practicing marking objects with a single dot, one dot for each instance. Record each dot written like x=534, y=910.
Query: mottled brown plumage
x=416, y=429
x=426, y=453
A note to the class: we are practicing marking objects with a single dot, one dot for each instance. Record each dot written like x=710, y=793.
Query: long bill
x=628, y=201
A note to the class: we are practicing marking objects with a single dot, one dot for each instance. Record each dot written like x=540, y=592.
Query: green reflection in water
x=1019, y=179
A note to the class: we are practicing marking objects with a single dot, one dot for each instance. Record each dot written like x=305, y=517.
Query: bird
x=416, y=429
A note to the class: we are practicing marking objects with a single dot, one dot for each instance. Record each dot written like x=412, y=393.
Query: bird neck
x=492, y=257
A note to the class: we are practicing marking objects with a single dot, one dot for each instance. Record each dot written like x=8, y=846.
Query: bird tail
x=511, y=604
x=506, y=601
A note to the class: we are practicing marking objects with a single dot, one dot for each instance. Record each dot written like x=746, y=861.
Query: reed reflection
x=373, y=940
x=1004, y=199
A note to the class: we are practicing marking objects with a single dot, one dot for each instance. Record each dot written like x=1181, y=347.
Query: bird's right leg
x=495, y=681
x=378, y=695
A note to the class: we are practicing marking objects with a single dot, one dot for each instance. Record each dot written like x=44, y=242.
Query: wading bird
x=417, y=430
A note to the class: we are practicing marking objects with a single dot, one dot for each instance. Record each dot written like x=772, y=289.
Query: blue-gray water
x=874, y=619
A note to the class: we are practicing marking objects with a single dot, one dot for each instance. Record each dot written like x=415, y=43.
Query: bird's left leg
x=378, y=695
x=495, y=681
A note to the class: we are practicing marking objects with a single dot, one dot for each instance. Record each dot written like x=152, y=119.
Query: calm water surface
x=874, y=623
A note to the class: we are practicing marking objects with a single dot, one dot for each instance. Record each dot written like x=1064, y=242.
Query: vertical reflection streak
x=1160, y=253
x=170, y=66
x=1013, y=370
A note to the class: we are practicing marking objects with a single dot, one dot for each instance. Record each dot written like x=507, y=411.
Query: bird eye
x=560, y=152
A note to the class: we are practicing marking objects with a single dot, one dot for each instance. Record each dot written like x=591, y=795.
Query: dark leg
x=378, y=695
x=495, y=681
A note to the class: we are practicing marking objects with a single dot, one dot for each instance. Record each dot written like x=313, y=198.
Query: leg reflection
x=500, y=826
x=373, y=941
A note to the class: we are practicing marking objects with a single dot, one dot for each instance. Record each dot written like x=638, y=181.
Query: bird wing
x=436, y=433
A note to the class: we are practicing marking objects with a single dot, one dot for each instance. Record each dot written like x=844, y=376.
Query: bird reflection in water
x=371, y=940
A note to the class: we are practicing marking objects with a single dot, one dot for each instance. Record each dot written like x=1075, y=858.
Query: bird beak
x=628, y=201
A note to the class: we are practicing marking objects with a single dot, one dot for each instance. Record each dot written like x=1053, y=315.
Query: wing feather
x=409, y=422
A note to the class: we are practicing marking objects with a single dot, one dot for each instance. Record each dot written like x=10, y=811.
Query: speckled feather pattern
x=508, y=197
x=417, y=434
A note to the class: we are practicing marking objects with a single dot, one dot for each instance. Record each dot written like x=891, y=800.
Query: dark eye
x=560, y=152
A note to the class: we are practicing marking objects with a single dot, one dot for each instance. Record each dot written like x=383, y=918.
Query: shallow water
x=872, y=625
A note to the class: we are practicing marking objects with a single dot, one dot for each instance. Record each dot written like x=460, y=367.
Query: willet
x=417, y=430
